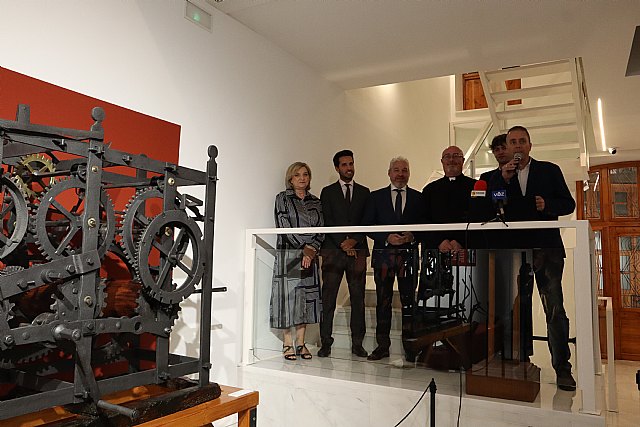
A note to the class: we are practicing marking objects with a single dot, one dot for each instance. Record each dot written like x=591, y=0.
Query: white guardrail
x=585, y=298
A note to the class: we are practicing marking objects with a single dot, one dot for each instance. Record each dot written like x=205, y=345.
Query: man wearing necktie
x=343, y=204
x=395, y=255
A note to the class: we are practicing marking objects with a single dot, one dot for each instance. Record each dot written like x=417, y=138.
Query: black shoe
x=359, y=351
x=378, y=354
x=324, y=351
x=565, y=381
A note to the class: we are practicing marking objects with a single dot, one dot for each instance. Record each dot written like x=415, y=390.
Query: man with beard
x=343, y=204
x=395, y=255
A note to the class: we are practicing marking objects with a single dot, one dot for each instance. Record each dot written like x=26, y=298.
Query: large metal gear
x=29, y=173
x=60, y=216
x=14, y=215
x=164, y=245
x=135, y=220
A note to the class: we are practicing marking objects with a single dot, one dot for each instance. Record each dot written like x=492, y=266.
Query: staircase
x=554, y=108
x=342, y=316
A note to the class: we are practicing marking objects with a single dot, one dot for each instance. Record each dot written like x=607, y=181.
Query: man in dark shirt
x=343, y=204
x=447, y=201
x=537, y=191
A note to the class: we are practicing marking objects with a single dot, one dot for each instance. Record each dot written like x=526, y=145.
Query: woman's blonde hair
x=291, y=170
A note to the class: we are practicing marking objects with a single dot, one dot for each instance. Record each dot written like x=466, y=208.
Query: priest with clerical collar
x=447, y=201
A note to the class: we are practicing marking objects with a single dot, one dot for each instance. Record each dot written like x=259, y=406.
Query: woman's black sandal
x=288, y=356
x=307, y=355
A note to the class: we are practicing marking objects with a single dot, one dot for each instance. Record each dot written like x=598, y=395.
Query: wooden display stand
x=495, y=377
x=504, y=379
x=158, y=406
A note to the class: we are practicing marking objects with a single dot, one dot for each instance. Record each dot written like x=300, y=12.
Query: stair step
x=533, y=92
x=552, y=127
x=548, y=110
x=370, y=298
x=533, y=70
x=342, y=317
x=342, y=339
x=342, y=332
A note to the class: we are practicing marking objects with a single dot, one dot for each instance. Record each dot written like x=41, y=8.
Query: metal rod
x=122, y=410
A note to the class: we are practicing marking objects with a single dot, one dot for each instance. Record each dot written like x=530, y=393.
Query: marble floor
x=628, y=413
x=396, y=373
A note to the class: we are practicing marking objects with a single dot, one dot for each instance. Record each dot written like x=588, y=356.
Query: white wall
x=228, y=87
x=409, y=119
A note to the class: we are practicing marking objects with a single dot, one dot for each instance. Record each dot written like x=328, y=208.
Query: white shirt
x=394, y=194
x=343, y=185
x=523, y=177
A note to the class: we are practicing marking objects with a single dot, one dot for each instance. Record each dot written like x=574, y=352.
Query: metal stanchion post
x=432, y=390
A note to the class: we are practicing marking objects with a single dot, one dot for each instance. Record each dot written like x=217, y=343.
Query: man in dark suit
x=537, y=191
x=343, y=204
x=395, y=255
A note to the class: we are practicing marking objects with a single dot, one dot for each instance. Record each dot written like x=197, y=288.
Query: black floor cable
x=460, y=402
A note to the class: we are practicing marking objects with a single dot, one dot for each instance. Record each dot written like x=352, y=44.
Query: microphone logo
x=499, y=195
x=499, y=198
x=479, y=189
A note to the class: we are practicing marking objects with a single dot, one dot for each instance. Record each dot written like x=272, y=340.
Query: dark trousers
x=385, y=273
x=548, y=265
x=335, y=264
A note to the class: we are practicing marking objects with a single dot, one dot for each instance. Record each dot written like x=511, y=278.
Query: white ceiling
x=361, y=43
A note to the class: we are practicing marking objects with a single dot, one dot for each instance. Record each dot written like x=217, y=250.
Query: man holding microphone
x=537, y=191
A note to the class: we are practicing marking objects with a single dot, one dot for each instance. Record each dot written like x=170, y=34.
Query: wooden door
x=473, y=96
x=624, y=262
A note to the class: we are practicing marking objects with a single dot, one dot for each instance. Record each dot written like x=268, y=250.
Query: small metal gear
x=5, y=315
x=5, y=305
x=59, y=225
x=28, y=353
x=14, y=215
x=29, y=174
x=165, y=243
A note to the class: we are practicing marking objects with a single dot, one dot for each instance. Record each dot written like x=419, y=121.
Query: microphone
x=517, y=157
x=499, y=198
x=479, y=189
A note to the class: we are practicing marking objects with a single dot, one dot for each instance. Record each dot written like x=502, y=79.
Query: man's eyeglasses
x=452, y=156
